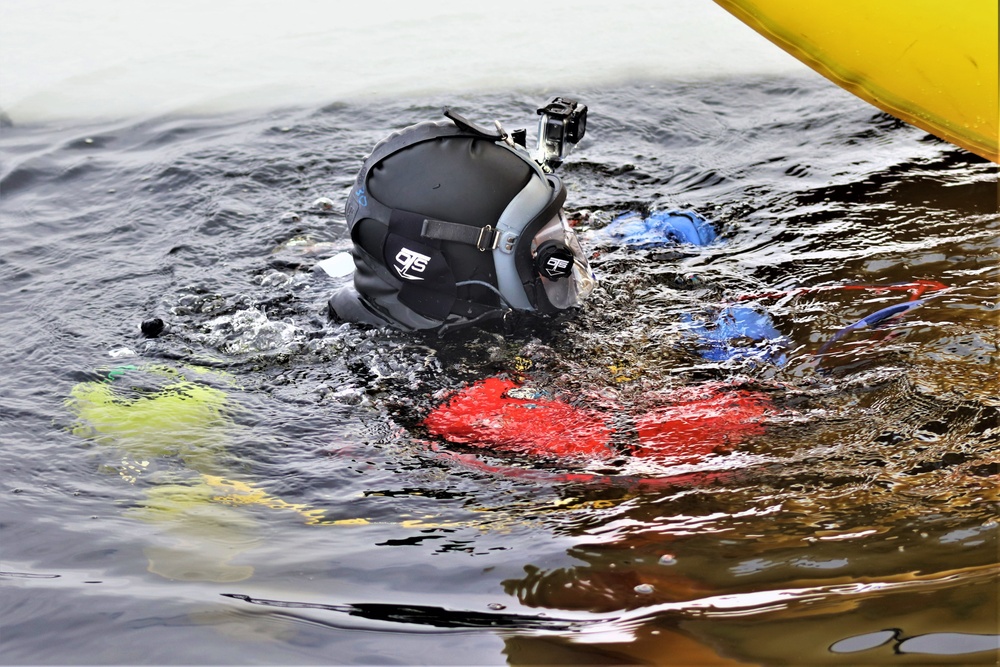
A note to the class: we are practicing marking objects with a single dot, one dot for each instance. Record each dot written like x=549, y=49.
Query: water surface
x=300, y=514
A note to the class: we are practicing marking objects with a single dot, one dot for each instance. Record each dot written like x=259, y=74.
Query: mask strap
x=484, y=238
x=467, y=125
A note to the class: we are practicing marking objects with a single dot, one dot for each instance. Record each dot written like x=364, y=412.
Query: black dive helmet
x=454, y=225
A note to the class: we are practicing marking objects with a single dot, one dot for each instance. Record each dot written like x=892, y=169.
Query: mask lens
x=565, y=273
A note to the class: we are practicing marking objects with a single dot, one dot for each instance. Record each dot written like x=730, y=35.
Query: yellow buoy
x=931, y=63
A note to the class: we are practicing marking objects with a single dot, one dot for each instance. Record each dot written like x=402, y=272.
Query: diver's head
x=455, y=225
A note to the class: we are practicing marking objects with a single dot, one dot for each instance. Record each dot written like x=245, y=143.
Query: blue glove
x=731, y=334
x=660, y=229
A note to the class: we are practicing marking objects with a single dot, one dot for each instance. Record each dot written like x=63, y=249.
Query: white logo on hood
x=410, y=262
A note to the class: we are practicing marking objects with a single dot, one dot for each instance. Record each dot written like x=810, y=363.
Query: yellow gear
x=931, y=63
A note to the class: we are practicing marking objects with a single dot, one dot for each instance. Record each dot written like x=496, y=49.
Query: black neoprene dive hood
x=455, y=225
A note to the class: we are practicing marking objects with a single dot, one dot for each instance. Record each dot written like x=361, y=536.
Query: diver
x=456, y=225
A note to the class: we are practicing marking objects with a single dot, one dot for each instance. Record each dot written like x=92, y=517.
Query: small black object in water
x=152, y=328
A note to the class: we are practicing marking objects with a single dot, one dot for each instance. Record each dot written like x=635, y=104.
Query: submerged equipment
x=691, y=424
x=454, y=225
x=740, y=333
x=915, y=288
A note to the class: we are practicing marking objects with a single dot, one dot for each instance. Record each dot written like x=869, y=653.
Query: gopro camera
x=562, y=124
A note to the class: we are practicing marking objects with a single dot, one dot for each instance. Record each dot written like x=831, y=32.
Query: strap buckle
x=489, y=239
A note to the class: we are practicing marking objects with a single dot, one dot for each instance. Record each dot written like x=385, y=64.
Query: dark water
x=300, y=515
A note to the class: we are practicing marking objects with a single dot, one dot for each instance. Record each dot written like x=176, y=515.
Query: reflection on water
x=935, y=643
x=256, y=466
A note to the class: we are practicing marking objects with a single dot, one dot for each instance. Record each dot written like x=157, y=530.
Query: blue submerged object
x=874, y=320
x=660, y=229
x=738, y=332
x=732, y=332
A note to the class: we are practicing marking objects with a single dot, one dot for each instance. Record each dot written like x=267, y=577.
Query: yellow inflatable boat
x=931, y=63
